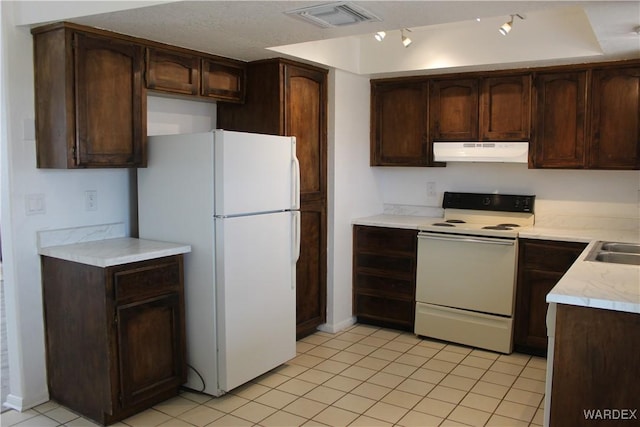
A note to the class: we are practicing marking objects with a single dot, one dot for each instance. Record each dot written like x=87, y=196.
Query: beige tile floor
x=364, y=376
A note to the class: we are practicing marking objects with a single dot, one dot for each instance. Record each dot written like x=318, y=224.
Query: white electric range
x=466, y=270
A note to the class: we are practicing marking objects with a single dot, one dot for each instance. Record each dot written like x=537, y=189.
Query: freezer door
x=255, y=290
x=255, y=173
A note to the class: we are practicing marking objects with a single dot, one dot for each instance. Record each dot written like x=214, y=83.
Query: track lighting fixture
x=506, y=27
x=406, y=41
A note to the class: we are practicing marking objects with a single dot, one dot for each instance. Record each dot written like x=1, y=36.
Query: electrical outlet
x=91, y=200
x=431, y=190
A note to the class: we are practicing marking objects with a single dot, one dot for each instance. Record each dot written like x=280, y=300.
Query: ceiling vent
x=334, y=14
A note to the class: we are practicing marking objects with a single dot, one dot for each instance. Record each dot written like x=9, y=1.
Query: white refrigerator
x=234, y=197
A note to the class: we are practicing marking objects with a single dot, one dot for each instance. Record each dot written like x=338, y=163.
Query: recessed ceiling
x=445, y=34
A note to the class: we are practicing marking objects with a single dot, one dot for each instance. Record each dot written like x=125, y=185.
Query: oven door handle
x=451, y=238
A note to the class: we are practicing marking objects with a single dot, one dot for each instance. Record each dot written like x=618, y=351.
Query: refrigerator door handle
x=295, y=196
x=296, y=241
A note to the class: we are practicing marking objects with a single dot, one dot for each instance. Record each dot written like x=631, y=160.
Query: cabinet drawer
x=548, y=255
x=385, y=285
x=385, y=240
x=147, y=279
x=384, y=309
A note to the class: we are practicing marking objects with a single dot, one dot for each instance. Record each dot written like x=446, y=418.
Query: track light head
x=406, y=41
x=506, y=27
x=380, y=35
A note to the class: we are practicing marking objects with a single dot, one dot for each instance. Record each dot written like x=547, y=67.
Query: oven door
x=467, y=272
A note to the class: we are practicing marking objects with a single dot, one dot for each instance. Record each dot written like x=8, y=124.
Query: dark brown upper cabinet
x=90, y=104
x=480, y=109
x=615, y=119
x=505, y=108
x=453, y=109
x=587, y=119
x=560, y=107
x=399, y=126
x=222, y=81
x=184, y=72
x=172, y=72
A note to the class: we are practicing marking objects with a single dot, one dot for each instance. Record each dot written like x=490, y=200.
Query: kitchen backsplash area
x=564, y=198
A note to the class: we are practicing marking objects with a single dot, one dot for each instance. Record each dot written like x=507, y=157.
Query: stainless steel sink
x=618, y=258
x=628, y=248
x=616, y=253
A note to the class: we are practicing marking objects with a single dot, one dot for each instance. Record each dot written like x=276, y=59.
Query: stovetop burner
x=497, y=227
x=443, y=224
x=456, y=221
x=508, y=225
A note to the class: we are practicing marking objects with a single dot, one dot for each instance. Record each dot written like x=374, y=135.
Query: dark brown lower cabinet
x=311, y=269
x=541, y=264
x=115, y=336
x=595, y=368
x=384, y=276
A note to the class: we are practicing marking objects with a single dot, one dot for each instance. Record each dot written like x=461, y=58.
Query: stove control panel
x=488, y=202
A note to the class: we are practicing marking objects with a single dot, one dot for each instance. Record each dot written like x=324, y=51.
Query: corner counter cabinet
x=115, y=335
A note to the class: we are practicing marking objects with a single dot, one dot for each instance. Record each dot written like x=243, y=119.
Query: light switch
x=35, y=204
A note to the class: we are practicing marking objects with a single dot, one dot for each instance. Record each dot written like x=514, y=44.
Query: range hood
x=499, y=152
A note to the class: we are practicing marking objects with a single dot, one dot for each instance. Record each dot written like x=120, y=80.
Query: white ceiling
x=446, y=34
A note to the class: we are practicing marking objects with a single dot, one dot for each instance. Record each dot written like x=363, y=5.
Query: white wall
x=63, y=195
x=353, y=190
x=565, y=198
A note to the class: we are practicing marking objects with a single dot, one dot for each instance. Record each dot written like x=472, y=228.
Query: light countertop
x=116, y=251
x=586, y=283
x=599, y=285
x=394, y=221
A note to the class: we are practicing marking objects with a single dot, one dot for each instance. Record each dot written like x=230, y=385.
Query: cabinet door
x=541, y=264
x=305, y=118
x=150, y=347
x=399, y=125
x=173, y=72
x=311, y=269
x=595, y=368
x=110, y=108
x=559, y=120
x=222, y=81
x=453, y=110
x=505, y=108
x=615, y=119
x=530, y=328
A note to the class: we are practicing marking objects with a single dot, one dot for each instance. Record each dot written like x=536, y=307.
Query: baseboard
x=337, y=327
x=21, y=405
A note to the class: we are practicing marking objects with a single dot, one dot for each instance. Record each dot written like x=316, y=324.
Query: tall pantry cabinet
x=289, y=98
